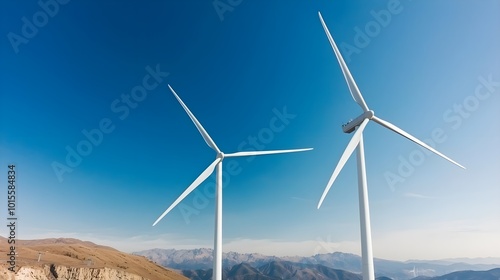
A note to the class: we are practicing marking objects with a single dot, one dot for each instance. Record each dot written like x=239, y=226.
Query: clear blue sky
x=70, y=66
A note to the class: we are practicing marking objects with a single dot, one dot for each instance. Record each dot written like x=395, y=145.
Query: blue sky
x=257, y=70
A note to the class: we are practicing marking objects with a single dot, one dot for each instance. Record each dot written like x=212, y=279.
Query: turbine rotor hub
x=369, y=114
x=220, y=155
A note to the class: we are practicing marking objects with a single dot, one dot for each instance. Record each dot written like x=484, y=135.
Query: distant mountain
x=493, y=274
x=201, y=258
x=244, y=271
x=276, y=270
x=197, y=261
x=495, y=261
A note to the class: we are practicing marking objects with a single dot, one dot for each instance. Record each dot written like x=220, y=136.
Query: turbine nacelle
x=352, y=124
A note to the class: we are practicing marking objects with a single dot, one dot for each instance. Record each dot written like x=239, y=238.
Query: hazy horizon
x=209, y=247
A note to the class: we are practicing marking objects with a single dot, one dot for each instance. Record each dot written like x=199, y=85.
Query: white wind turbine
x=414, y=272
x=357, y=141
x=217, y=163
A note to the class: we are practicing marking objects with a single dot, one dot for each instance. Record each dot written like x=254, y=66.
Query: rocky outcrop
x=58, y=272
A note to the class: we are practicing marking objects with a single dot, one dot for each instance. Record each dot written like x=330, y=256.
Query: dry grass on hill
x=76, y=253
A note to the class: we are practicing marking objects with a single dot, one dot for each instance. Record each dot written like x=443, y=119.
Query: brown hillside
x=76, y=253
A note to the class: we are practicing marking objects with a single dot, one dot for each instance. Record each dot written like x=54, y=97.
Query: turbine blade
x=203, y=176
x=353, y=88
x=198, y=125
x=412, y=138
x=345, y=156
x=261, y=153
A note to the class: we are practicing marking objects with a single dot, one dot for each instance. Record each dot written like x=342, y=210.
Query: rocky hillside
x=65, y=258
x=51, y=272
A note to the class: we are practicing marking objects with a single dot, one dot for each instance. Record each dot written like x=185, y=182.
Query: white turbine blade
x=198, y=125
x=353, y=88
x=261, y=153
x=343, y=159
x=204, y=175
x=412, y=138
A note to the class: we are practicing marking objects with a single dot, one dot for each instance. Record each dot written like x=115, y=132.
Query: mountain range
x=194, y=263
x=66, y=258
x=279, y=270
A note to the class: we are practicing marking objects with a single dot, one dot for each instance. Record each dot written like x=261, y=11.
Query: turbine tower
x=360, y=123
x=216, y=164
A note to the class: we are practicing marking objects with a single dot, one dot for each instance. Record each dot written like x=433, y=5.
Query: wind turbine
x=414, y=271
x=357, y=141
x=216, y=164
